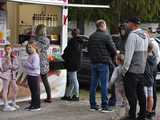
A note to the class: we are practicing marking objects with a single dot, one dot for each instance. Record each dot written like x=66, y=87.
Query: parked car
x=84, y=73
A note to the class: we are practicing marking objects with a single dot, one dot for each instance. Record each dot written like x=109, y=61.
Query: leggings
x=44, y=78
x=6, y=88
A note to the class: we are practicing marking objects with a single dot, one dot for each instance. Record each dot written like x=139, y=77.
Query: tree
x=120, y=11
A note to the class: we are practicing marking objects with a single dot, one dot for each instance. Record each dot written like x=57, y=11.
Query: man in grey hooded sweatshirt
x=133, y=68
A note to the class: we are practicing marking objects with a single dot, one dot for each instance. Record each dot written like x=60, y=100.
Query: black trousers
x=34, y=85
x=44, y=78
x=134, y=88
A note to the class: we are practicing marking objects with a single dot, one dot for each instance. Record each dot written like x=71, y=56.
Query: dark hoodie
x=149, y=70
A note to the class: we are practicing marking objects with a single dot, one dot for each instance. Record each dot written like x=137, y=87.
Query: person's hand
x=8, y=59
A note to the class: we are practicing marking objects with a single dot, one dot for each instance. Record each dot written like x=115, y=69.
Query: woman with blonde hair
x=43, y=45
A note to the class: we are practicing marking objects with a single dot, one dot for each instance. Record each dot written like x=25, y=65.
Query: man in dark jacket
x=101, y=51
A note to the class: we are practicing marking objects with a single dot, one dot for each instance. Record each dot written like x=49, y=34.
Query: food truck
x=18, y=20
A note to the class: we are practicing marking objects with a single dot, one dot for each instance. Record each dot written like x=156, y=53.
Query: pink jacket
x=8, y=70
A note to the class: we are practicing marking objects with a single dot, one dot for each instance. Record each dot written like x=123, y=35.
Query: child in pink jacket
x=8, y=74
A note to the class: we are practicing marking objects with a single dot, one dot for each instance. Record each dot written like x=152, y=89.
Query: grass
x=84, y=94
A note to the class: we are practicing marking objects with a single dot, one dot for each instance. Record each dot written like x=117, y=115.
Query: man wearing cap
x=133, y=68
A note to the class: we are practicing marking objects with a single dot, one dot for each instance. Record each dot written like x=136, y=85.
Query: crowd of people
x=36, y=68
x=136, y=56
x=129, y=67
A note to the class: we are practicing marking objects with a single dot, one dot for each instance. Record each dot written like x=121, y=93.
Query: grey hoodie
x=136, y=52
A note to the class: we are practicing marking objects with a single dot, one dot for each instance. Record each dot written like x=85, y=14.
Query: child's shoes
x=15, y=105
x=8, y=108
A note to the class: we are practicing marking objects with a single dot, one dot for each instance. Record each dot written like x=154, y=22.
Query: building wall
x=12, y=13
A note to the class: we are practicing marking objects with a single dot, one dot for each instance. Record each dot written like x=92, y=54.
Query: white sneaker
x=8, y=108
x=15, y=105
x=32, y=109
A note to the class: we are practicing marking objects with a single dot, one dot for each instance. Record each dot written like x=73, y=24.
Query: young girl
x=32, y=66
x=9, y=68
x=117, y=79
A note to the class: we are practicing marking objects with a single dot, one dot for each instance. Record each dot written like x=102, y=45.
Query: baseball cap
x=135, y=20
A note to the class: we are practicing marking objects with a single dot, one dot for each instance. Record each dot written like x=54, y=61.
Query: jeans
x=134, y=88
x=34, y=85
x=99, y=72
x=44, y=78
x=73, y=87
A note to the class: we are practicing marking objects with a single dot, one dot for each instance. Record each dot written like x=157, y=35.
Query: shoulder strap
x=140, y=34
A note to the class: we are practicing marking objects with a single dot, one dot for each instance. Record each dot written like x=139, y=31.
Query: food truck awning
x=61, y=3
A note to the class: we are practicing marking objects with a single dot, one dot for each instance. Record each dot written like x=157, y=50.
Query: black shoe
x=153, y=113
x=65, y=98
x=141, y=117
x=74, y=98
x=106, y=109
x=126, y=118
x=48, y=100
x=149, y=115
x=96, y=108
x=32, y=109
x=28, y=108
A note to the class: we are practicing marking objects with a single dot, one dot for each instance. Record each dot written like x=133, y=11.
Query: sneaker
x=74, y=98
x=15, y=105
x=126, y=118
x=8, y=108
x=65, y=98
x=153, y=114
x=106, y=109
x=32, y=109
x=48, y=100
x=28, y=108
x=141, y=117
x=149, y=115
x=96, y=108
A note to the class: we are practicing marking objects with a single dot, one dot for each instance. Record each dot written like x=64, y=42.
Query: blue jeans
x=73, y=88
x=99, y=72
